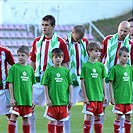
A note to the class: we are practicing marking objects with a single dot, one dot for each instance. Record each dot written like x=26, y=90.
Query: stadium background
x=20, y=20
x=20, y=23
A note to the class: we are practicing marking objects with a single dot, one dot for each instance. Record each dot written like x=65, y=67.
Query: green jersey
x=22, y=78
x=122, y=78
x=58, y=81
x=93, y=73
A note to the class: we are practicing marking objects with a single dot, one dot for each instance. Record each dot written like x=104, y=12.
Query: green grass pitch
x=76, y=120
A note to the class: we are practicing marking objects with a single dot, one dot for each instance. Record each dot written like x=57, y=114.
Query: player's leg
x=105, y=104
x=87, y=123
x=117, y=123
x=8, y=118
x=51, y=126
x=67, y=123
x=97, y=117
x=4, y=110
x=25, y=125
x=127, y=123
x=97, y=124
x=59, y=127
x=32, y=121
x=51, y=114
x=122, y=120
x=88, y=110
x=91, y=125
x=39, y=99
x=12, y=123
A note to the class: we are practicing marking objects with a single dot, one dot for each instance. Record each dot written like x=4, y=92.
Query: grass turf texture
x=76, y=120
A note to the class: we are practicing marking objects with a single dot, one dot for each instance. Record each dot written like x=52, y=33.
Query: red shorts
x=56, y=113
x=123, y=108
x=24, y=111
x=93, y=108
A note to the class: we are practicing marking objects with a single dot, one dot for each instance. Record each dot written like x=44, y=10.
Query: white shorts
x=76, y=90
x=5, y=102
x=108, y=95
x=38, y=94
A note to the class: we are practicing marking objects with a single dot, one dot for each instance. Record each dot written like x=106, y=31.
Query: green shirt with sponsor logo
x=93, y=73
x=22, y=78
x=58, y=81
x=122, y=78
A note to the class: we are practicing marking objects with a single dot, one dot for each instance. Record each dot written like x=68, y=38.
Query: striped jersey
x=77, y=48
x=44, y=51
x=5, y=59
x=120, y=44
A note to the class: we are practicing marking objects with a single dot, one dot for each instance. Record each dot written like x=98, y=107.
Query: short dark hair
x=23, y=49
x=79, y=29
x=49, y=18
x=57, y=51
x=123, y=49
x=95, y=45
x=130, y=19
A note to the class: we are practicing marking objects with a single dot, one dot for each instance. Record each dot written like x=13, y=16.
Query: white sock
x=122, y=124
x=67, y=126
x=32, y=121
x=16, y=129
x=92, y=123
x=102, y=119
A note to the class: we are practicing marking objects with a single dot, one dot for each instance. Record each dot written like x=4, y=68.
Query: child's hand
x=69, y=105
x=86, y=100
x=105, y=100
x=33, y=105
x=13, y=102
x=112, y=101
x=49, y=102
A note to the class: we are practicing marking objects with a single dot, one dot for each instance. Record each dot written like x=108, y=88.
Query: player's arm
x=70, y=95
x=9, y=57
x=48, y=101
x=111, y=92
x=104, y=91
x=33, y=105
x=12, y=100
x=33, y=64
x=86, y=100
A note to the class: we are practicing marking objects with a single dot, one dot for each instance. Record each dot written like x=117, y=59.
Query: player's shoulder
x=85, y=39
x=105, y=40
x=131, y=42
x=61, y=40
x=3, y=48
x=108, y=37
x=37, y=38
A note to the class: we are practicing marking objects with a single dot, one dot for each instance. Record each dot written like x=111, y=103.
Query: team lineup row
x=56, y=68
